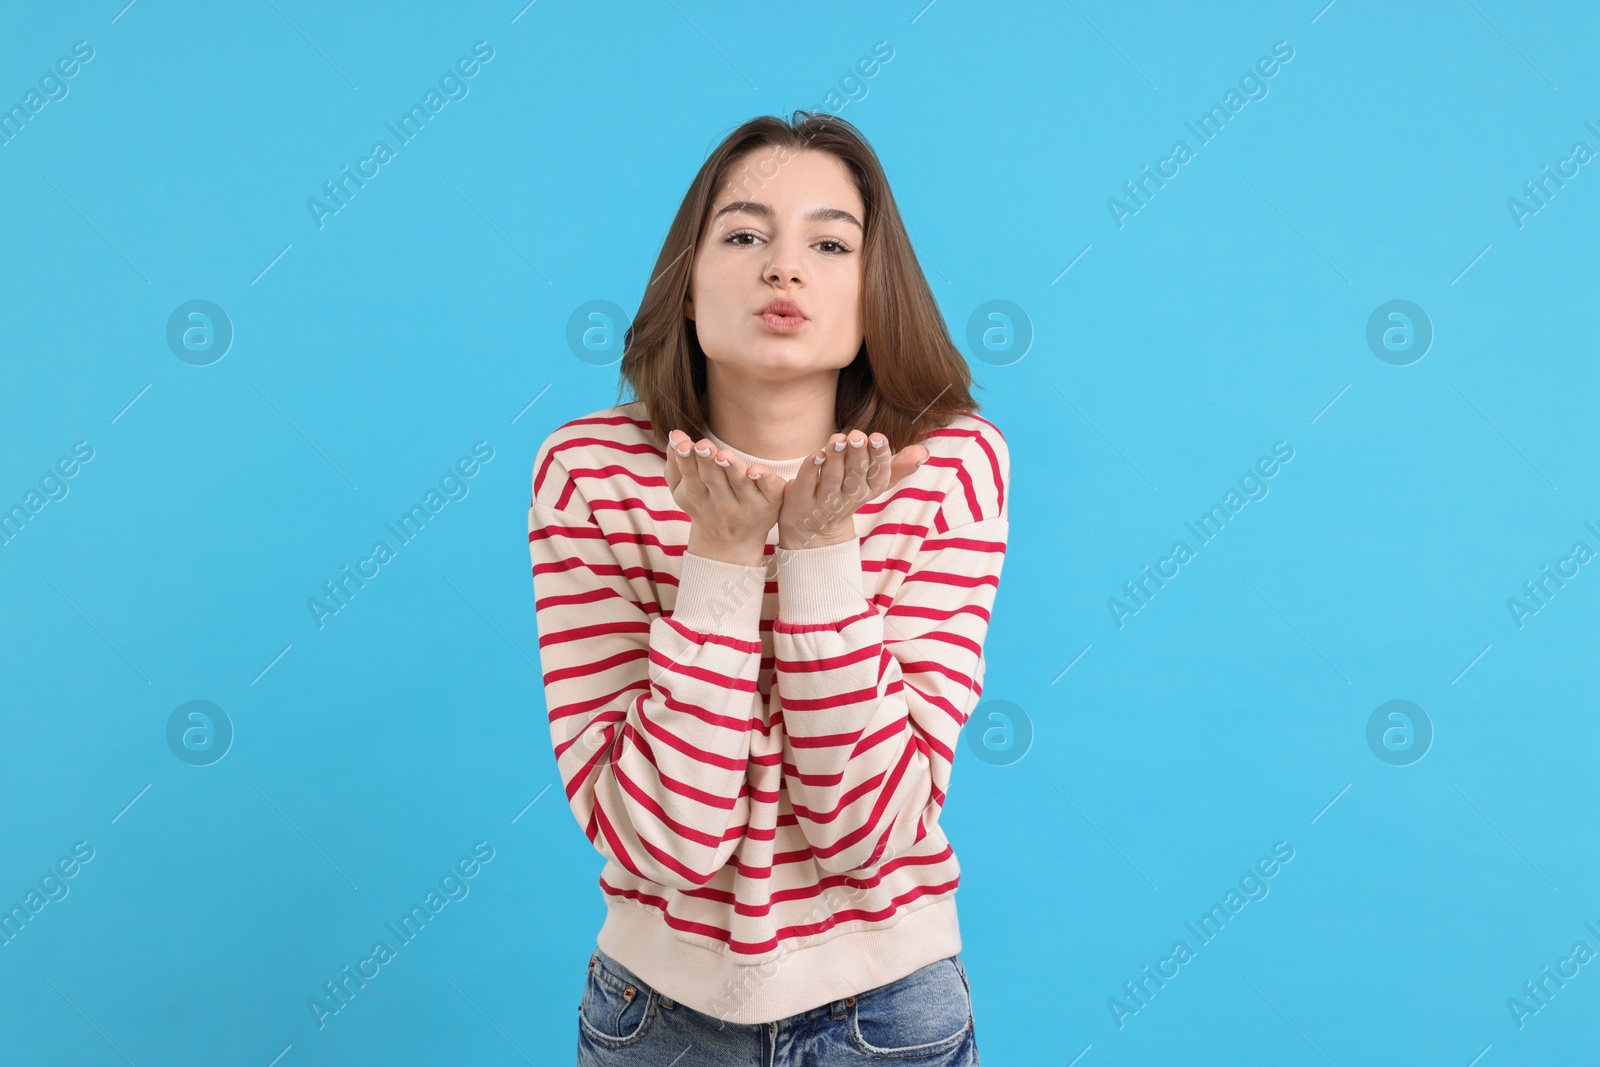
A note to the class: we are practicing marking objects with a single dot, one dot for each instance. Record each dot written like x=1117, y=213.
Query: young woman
x=757, y=669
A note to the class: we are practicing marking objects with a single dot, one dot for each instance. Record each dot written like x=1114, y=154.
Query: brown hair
x=908, y=378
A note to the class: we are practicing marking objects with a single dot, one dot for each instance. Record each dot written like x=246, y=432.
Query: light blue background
x=1228, y=314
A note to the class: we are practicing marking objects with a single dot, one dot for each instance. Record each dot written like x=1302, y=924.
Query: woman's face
x=788, y=225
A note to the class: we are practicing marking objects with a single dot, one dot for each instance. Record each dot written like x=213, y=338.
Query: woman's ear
x=688, y=306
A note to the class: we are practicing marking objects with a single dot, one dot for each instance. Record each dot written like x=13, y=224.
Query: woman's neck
x=779, y=421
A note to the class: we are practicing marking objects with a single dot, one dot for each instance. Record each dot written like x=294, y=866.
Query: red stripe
x=834, y=700
x=966, y=644
x=994, y=461
x=575, y=531
x=599, y=821
x=826, y=663
x=996, y=484
x=632, y=505
x=590, y=596
x=716, y=678
x=669, y=783
x=825, y=883
x=594, y=667
x=599, y=629
x=957, y=581
x=800, y=894
x=615, y=570
x=604, y=719
x=649, y=803
x=694, y=752
x=787, y=932
x=974, y=544
x=697, y=637
x=618, y=470
x=610, y=420
x=873, y=818
x=582, y=707
x=918, y=666
x=913, y=611
x=779, y=625
x=580, y=442
x=740, y=723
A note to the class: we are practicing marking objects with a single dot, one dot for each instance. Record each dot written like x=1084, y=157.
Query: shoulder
x=591, y=445
x=969, y=457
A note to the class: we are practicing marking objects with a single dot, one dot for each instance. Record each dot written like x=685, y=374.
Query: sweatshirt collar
x=785, y=468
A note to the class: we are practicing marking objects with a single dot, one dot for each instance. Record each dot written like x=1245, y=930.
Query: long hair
x=908, y=377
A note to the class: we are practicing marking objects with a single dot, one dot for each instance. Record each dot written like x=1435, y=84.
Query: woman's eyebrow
x=821, y=214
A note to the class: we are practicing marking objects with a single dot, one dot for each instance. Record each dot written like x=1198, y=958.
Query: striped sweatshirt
x=762, y=753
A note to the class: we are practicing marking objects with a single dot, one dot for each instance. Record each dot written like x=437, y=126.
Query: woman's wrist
x=739, y=553
x=791, y=540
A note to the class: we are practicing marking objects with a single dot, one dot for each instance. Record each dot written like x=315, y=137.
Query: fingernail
x=701, y=454
x=879, y=442
x=723, y=463
x=819, y=459
x=857, y=444
x=684, y=451
x=838, y=446
x=754, y=474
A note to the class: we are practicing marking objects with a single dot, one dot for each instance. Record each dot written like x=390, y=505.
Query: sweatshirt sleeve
x=649, y=717
x=873, y=702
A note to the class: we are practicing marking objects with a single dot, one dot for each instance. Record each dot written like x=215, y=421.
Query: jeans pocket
x=926, y=1013
x=617, y=1009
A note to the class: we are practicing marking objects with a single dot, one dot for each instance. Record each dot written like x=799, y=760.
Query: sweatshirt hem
x=794, y=980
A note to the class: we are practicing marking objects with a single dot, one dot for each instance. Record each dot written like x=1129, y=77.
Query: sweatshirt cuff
x=715, y=597
x=820, y=585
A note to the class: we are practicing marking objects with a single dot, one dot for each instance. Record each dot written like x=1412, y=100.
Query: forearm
x=853, y=761
x=874, y=701
x=649, y=716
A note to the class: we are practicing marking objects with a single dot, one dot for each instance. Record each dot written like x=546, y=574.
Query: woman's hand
x=731, y=507
x=819, y=505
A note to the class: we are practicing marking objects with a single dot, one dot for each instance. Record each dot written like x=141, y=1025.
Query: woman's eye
x=830, y=246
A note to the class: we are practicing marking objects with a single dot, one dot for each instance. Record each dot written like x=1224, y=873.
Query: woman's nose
x=784, y=265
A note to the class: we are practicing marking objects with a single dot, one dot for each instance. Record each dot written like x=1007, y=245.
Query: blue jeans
x=923, y=1019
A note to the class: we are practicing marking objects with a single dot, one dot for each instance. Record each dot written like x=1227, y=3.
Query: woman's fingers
x=735, y=476
x=846, y=477
x=683, y=460
x=754, y=486
x=838, y=480
x=715, y=471
x=882, y=463
x=768, y=484
x=831, y=474
x=859, y=477
x=905, y=461
x=712, y=475
x=674, y=470
x=820, y=477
